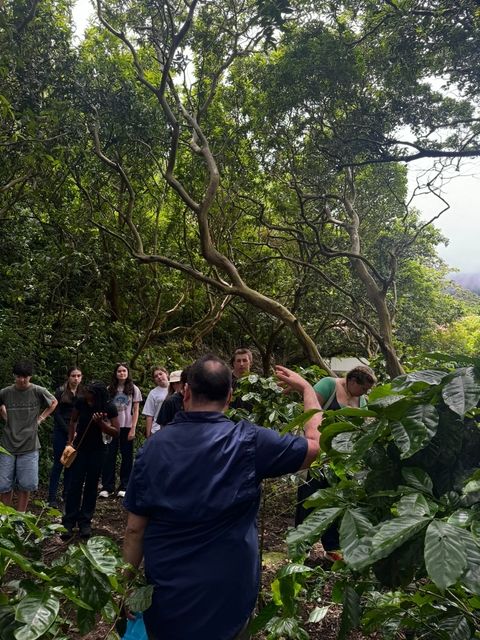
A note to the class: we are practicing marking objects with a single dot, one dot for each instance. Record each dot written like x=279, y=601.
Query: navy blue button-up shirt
x=198, y=482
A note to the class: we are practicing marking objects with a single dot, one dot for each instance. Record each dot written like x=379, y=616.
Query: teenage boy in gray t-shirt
x=24, y=406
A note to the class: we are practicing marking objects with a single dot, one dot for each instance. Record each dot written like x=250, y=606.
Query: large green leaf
x=415, y=504
x=343, y=443
x=93, y=588
x=471, y=577
x=293, y=567
x=24, y=563
x=387, y=537
x=379, y=391
x=141, y=598
x=100, y=553
x=354, y=526
x=85, y=621
x=445, y=553
x=456, y=628
x=354, y=412
x=418, y=479
x=365, y=442
x=8, y=624
x=263, y=618
x=462, y=393
x=314, y=525
x=395, y=532
x=431, y=377
x=350, y=617
x=328, y=433
x=415, y=430
x=37, y=613
x=299, y=421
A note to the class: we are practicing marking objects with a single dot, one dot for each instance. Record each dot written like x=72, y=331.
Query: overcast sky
x=460, y=224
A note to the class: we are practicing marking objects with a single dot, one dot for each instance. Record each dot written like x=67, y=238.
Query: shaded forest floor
x=276, y=516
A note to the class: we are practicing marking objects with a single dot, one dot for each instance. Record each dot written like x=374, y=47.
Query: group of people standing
x=99, y=421
x=194, y=491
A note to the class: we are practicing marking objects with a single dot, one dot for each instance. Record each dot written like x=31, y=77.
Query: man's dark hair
x=23, y=368
x=184, y=374
x=209, y=379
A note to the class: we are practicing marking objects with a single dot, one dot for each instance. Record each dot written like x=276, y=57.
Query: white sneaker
x=121, y=493
x=104, y=494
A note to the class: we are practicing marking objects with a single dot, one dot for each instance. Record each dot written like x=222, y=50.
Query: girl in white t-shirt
x=126, y=396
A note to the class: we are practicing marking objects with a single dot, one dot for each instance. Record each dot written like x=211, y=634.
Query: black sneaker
x=66, y=535
x=85, y=532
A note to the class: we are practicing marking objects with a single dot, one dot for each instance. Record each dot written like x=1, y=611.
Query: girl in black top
x=92, y=417
x=66, y=395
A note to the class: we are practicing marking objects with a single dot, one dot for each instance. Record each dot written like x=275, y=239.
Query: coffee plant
x=406, y=499
x=42, y=599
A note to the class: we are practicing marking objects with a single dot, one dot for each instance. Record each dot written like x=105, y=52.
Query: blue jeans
x=126, y=452
x=82, y=491
x=60, y=438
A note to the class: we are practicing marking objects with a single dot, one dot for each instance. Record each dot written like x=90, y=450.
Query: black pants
x=109, y=468
x=330, y=539
x=60, y=438
x=82, y=491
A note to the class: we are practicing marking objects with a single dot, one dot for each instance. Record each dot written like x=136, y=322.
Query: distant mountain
x=470, y=281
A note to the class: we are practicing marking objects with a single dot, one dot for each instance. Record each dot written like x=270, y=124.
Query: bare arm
x=135, y=412
x=46, y=412
x=133, y=540
x=290, y=380
x=110, y=426
x=3, y=412
x=148, y=426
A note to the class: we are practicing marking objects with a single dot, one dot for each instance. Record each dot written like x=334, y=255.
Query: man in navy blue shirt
x=193, y=499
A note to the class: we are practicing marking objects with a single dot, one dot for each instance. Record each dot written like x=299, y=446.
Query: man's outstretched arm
x=292, y=381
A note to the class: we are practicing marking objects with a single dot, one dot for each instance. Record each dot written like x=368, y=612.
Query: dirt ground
x=276, y=516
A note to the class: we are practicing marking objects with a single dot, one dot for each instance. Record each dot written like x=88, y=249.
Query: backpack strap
x=330, y=399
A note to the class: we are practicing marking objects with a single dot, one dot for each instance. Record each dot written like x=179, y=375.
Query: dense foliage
x=236, y=194
x=405, y=495
x=52, y=599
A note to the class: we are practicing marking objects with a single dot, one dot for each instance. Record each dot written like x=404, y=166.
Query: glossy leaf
x=328, y=433
x=386, y=538
x=98, y=551
x=350, y=616
x=313, y=527
x=318, y=614
x=37, y=613
x=299, y=421
x=430, y=377
x=456, y=628
x=415, y=430
x=354, y=526
x=471, y=576
x=445, y=553
x=462, y=393
x=415, y=504
x=141, y=598
x=418, y=479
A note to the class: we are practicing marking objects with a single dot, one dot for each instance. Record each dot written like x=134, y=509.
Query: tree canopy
x=223, y=173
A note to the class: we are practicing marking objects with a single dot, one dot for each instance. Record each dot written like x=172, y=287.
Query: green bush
x=406, y=500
